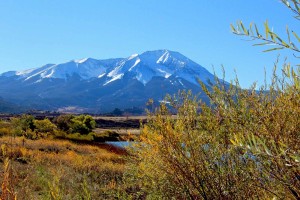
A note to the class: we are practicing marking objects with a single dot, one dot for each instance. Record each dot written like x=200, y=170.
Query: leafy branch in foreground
x=293, y=5
x=269, y=37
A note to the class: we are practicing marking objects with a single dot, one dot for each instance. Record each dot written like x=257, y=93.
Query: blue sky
x=37, y=32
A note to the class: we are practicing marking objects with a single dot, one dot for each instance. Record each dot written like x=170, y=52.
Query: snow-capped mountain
x=102, y=85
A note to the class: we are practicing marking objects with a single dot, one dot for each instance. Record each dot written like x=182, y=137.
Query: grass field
x=55, y=169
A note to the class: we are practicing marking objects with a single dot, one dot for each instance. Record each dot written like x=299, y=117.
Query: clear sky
x=37, y=32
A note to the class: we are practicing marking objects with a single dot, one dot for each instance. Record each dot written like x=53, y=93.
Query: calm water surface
x=122, y=144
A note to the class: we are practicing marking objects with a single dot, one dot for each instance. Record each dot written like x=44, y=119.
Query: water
x=122, y=144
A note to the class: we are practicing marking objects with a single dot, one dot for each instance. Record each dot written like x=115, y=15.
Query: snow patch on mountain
x=163, y=58
x=165, y=74
x=135, y=64
x=101, y=75
x=81, y=60
x=133, y=56
x=116, y=77
x=25, y=72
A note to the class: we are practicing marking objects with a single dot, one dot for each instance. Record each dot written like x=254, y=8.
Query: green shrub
x=44, y=127
x=63, y=122
x=83, y=124
x=24, y=122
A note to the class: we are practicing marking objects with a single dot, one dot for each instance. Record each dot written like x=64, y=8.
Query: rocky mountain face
x=99, y=86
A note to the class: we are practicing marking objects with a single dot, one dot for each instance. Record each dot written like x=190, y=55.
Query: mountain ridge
x=101, y=85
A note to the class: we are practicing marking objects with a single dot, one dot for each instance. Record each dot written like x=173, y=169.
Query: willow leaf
x=273, y=49
x=256, y=29
x=262, y=44
x=296, y=36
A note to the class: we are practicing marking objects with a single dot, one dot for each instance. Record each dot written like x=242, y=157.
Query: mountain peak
x=84, y=60
x=163, y=55
x=81, y=60
x=133, y=56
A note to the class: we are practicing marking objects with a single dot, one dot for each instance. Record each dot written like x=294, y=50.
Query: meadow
x=46, y=165
x=47, y=169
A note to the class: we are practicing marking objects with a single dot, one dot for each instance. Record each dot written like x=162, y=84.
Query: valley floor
x=57, y=169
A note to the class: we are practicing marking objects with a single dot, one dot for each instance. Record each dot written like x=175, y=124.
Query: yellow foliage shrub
x=245, y=144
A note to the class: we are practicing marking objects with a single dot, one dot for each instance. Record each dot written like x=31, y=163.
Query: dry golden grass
x=50, y=169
